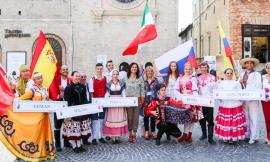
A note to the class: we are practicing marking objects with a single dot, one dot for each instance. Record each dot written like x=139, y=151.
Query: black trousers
x=208, y=113
x=169, y=129
x=152, y=123
x=57, y=122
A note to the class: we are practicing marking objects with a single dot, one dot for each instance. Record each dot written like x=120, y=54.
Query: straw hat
x=252, y=59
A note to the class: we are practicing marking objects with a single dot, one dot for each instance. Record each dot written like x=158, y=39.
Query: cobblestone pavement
x=198, y=151
x=147, y=151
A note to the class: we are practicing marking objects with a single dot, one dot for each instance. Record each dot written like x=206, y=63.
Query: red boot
x=189, y=137
x=182, y=138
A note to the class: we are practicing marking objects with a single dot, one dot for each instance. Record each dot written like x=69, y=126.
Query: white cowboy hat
x=244, y=60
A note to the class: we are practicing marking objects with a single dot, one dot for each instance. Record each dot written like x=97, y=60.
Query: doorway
x=260, y=48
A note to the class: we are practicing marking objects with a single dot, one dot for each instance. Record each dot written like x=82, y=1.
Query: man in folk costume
x=251, y=80
x=206, y=84
x=63, y=81
x=97, y=87
x=156, y=108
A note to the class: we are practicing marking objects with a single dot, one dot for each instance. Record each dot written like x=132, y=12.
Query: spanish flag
x=45, y=62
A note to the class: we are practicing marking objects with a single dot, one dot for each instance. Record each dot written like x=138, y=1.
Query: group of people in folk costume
x=160, y=101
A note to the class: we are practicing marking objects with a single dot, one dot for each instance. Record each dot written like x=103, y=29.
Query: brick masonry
x=242, y=12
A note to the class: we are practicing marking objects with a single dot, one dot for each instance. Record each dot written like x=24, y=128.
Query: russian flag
x=181, y=54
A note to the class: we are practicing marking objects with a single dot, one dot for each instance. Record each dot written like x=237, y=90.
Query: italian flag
x=147, y=33
x=45, y=62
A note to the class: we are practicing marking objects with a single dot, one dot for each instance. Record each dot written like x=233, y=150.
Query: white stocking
x=78, y=143
x=73, y=143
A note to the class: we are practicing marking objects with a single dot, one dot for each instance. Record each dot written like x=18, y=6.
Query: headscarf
x=21, y=86
x=111, y=73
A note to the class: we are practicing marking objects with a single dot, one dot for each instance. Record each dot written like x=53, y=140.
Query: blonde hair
x=267, y=64
x=149, y=68
x=188, y=64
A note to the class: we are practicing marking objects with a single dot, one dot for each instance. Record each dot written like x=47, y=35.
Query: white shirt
x=64, y=83
x=254, y=81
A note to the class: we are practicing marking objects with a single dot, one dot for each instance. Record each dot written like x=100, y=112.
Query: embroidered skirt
x=231, y=124
x=76, y=130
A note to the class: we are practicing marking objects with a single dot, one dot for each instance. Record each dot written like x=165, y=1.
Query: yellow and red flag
x=227, y=51
x=45, y=62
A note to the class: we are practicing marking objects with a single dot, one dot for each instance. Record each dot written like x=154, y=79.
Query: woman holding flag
x=28, y=136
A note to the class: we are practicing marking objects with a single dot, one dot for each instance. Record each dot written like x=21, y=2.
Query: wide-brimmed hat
x=252, y=59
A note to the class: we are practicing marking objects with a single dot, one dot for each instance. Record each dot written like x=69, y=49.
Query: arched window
x=58, y=47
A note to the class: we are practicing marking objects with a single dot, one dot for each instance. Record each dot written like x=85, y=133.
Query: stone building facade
x=83, y=32
x=246, y=24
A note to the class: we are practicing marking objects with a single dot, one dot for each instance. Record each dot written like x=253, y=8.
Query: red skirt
x=230, y=124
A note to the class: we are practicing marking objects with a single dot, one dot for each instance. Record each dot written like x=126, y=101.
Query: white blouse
x=170, y=90
x=266, y=86
x=229, y=85
x=116, y=87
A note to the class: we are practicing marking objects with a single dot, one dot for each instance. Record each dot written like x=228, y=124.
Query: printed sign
x=239, y=95
x=198, y=100
x=78, y=110
x=116, y=101
x=38, y=106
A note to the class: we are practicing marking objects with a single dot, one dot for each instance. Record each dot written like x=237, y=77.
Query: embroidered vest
x=99, y=87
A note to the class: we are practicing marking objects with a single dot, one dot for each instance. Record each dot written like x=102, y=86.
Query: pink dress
x=115, y=124
x=189, y=86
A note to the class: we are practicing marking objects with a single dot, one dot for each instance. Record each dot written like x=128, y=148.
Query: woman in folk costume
x=187, y=84
x=157, y=108
x=172, y=76
x=230, y=120
x=76, y=129
x=28, y=136
x=115, y=118
x=266, y=102
x=251, y=80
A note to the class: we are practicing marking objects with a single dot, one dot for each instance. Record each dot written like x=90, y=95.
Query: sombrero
x=252, y=59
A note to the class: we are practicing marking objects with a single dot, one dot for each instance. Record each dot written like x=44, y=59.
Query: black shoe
x=85, y=142
x=211, y=141
x=81, y=149
x=102, y=140
x=203, y=137
x=157, y=141
x=94, y=142
x=76, y=150
x=57, y=140
x=114, y=141
x=108, y=138
x=118, y=141
x=58, y=149
x=67, y=144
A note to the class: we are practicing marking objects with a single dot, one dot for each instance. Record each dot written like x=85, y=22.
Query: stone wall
x=75, y=22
